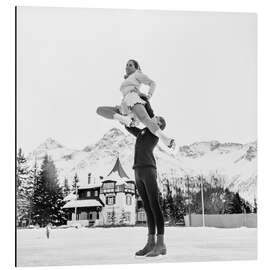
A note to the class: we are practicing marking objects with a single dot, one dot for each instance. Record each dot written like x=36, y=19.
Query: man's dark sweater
x=145, y=142
x=144, y=146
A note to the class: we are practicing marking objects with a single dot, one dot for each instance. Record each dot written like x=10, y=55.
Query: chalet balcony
x=118, y=189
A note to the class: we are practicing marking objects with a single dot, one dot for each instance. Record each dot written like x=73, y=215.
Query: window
x=130, y=186
x=128, y=200
x=96, y=193
x=88, y=193
x=141, y=216
x=110, y=200
x=109, y=185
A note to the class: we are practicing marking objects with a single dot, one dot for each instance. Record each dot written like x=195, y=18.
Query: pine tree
x=255, y=206
x=168, y=201
x=33, y=174
x=179, y=205
x=24, y=189
x=66, y=188
x=48, y=196
x=227, y=198
x=235, y=205
x=75, y=182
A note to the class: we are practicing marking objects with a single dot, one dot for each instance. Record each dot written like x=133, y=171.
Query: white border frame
x=8, y=115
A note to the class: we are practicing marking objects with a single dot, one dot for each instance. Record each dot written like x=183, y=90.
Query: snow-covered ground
x=86, y=246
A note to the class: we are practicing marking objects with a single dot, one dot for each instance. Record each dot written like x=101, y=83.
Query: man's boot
x=159, y=248
x=148, y=247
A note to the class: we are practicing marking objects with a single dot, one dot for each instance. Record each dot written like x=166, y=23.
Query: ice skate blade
x=162, y=252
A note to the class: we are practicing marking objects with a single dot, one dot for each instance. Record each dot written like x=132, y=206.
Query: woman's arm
x=142, y=78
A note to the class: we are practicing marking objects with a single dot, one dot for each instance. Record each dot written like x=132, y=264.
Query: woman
x=133, y=103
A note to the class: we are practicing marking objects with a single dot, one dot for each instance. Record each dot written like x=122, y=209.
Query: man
x=146, y=182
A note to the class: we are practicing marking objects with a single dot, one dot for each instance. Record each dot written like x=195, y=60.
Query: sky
x=72, y=60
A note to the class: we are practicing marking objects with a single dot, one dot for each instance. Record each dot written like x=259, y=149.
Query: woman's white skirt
x=129, y=101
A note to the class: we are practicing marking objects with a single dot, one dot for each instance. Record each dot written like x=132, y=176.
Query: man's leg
x=150, y=217
x=142, y=192
x=152, y=191
x=153, y=197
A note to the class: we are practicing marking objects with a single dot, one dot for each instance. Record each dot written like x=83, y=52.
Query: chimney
x=89, y=178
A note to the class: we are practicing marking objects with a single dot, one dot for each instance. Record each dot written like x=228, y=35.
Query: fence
x=223, y=221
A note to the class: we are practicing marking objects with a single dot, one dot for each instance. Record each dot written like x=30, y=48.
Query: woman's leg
x=113, y=113
x=143, y=116
x=107, y=111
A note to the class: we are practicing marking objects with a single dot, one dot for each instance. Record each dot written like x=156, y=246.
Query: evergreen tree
x=33, y=174
x=21, y=175
x=161, y=201
x=178, y=205
x=75, y=182
x=168, y=202
x=48, y=196
x=236, y=206
x=66, y=188
x=255, y=206
x=228, y=206
x=213, y=199
x=24, y=189
x=246, y=207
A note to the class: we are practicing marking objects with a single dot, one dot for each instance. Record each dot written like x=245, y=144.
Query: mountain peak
x=113, y=132
x=49, y=144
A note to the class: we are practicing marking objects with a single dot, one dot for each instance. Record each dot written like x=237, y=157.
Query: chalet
x=114, y=200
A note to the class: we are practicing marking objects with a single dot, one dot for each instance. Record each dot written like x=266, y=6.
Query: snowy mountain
x=235, y=163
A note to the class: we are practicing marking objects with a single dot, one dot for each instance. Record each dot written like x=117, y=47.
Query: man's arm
x=133, y=130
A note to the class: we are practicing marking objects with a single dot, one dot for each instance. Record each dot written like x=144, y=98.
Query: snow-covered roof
x=70, y=197
x=90, y=186
x=82, y=203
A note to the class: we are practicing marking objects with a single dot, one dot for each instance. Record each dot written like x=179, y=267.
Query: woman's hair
x=136, y=65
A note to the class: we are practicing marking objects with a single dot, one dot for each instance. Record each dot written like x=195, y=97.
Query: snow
x=70, y=197
x=91, y=246
x=226, y=159
x=82, y=203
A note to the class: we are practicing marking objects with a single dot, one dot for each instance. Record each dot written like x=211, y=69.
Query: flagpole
x=203, y=217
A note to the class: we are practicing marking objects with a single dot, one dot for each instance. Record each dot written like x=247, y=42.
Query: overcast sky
x=70, y=61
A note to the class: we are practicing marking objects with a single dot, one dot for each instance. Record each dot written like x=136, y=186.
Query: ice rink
x=86, y=246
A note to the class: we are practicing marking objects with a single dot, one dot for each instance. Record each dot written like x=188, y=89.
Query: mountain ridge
x=236, y=163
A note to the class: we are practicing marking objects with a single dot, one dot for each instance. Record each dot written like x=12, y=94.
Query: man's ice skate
x=148, y=247
x=172, y=144
x=159, y=249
